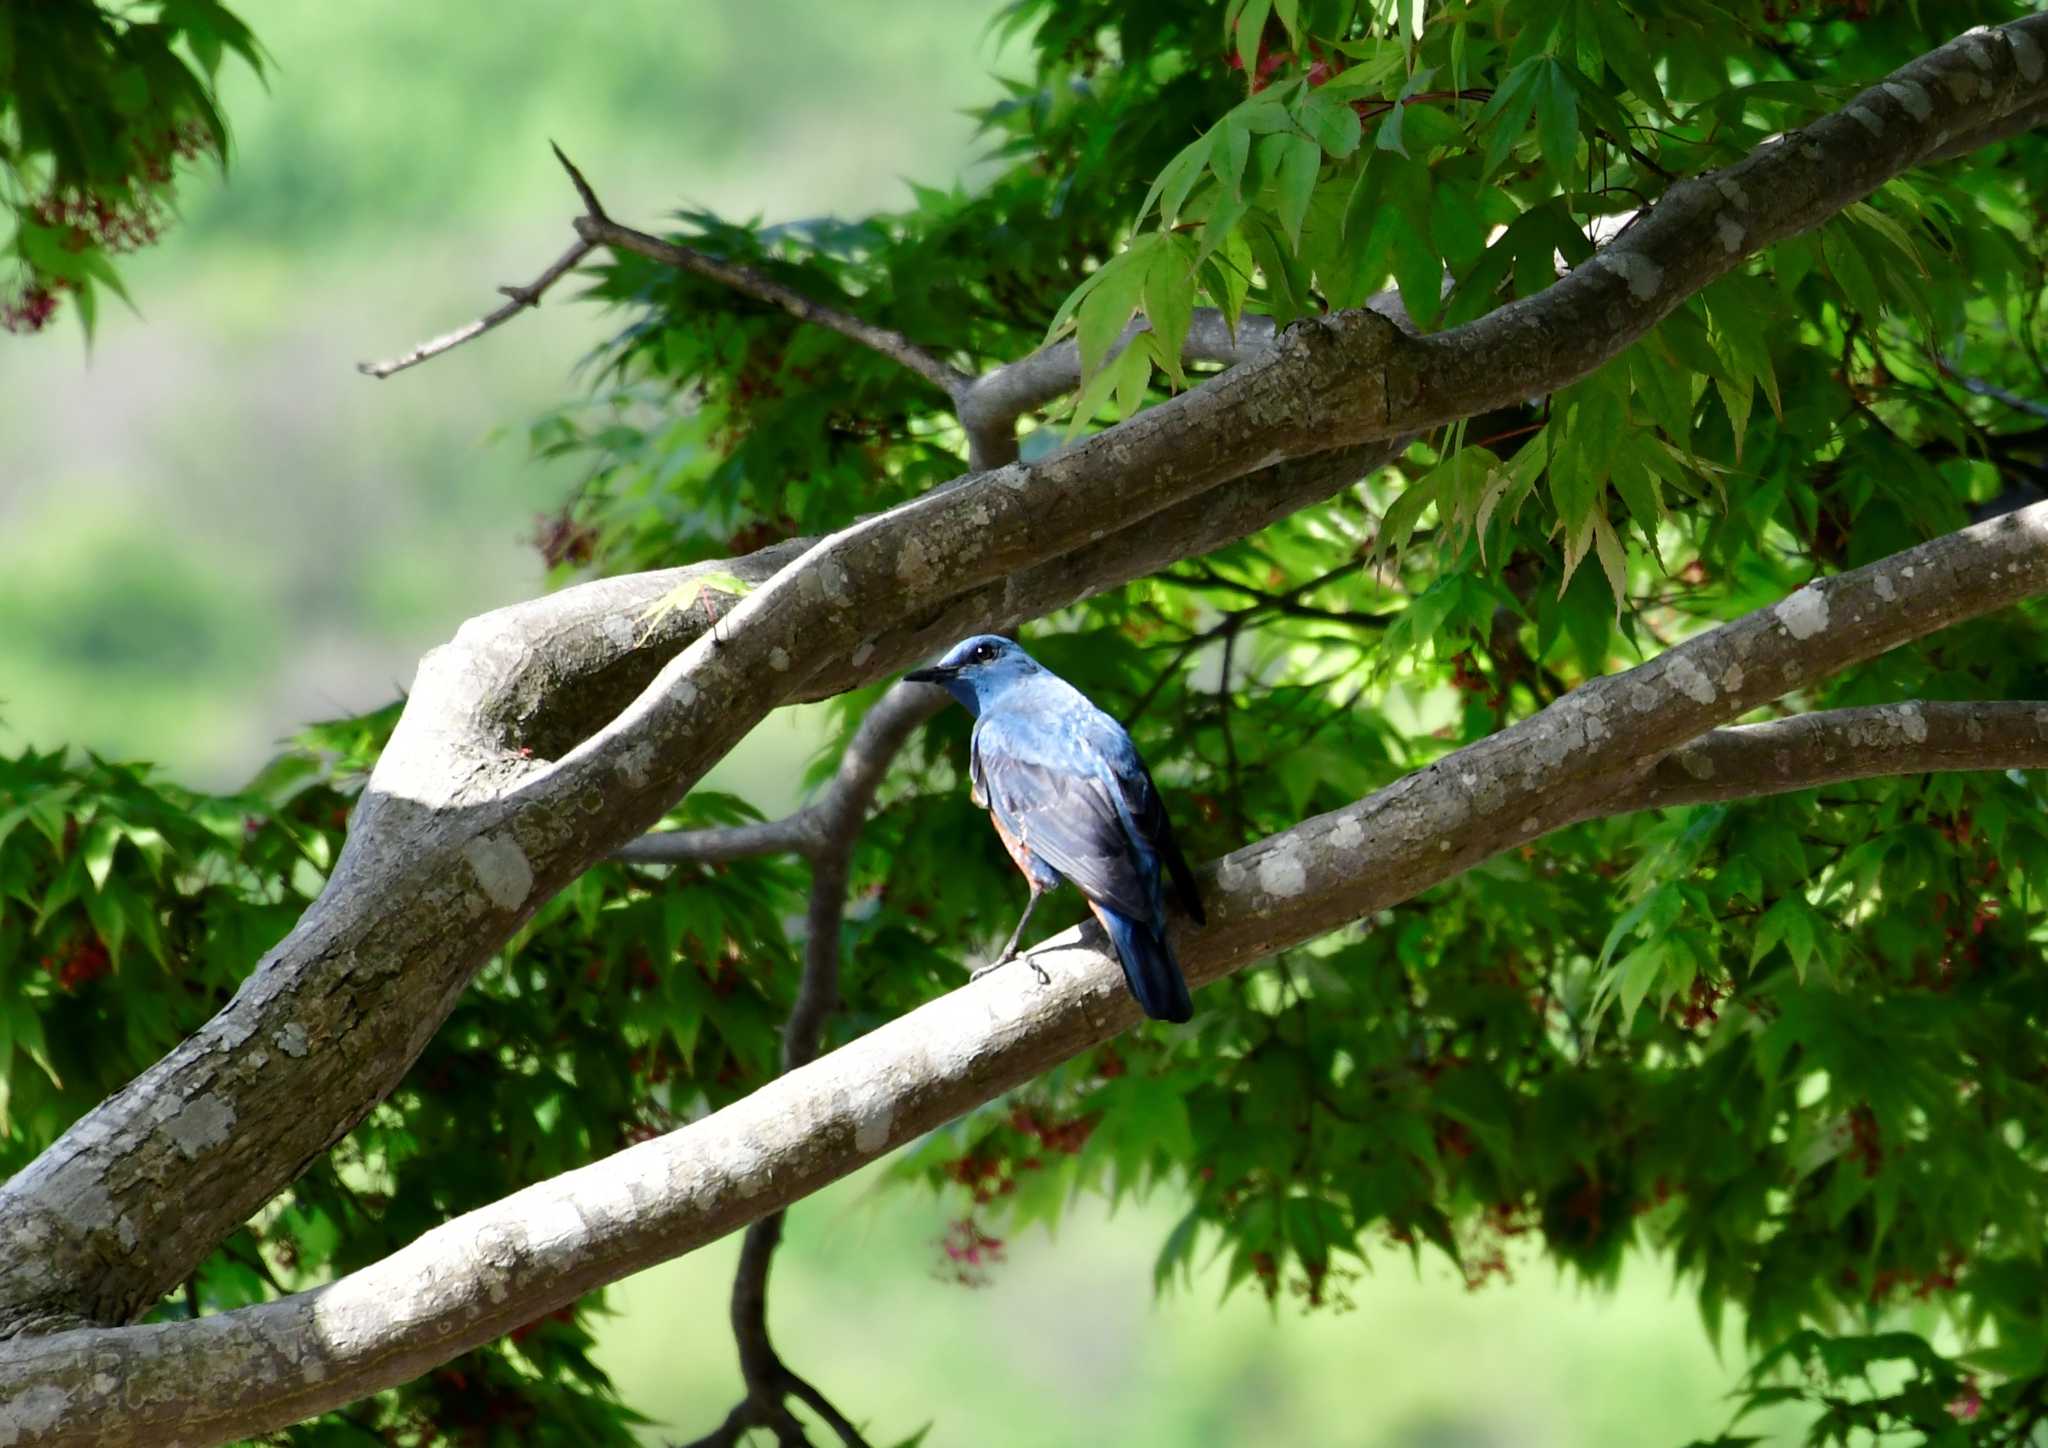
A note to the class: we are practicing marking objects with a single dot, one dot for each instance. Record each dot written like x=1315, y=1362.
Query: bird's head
x=976, y=671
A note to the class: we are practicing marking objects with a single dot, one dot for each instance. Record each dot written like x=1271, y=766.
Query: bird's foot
x=1002, y=960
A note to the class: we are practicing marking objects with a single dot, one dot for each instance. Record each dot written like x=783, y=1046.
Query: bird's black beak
x=936, y=674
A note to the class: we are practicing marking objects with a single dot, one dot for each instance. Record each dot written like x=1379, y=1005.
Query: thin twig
x=818, y=1403
x=1979, y=387
x=596, y=228
x=821, y=827
x=591, y=205
x=1234, y=770
x=522, y=298
x=764, y=288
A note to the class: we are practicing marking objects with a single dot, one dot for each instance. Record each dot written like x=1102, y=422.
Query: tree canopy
x=99, y=104
x=1553, y=488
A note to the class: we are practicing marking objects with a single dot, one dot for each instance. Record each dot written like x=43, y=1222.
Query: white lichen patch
x=203, y=1123
x=1347, y=834
x=92, y=1205
x=1697, y=763
x=778, y=660
x=1691, y=680
x=874, y=1113
x=750, y=1174
x=1978, y=52
x=32, y=1413
x=1642, y=698
x=2025, y=54
x=1282, y=875
x=1865, y=117
x=685, y=692
x=1732, y=192
x=1730, y=231
x=618, y=629
x=501, y=868
x=1644, y=277
x=290, y=1039
x=862, y=654
x=1912, y=723
x=635, y=763
x=1804, y=614
x=1884, y=588
x=552, y=1222
x=1912, y=96
x=1731, y=678
x=914, y=563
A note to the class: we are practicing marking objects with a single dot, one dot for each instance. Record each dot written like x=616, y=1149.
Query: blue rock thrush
x=1071, y=799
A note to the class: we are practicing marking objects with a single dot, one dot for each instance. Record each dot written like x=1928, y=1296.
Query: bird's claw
x=1000, y=961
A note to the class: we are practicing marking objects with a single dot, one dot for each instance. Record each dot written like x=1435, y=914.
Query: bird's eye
x=985, y=653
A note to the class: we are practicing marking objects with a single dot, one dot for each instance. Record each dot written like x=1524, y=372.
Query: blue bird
x=1070, y=798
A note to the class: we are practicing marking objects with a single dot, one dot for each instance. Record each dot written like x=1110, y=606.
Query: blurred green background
x=212, y=530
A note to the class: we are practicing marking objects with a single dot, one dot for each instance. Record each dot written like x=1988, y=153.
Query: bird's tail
x=1149, y=967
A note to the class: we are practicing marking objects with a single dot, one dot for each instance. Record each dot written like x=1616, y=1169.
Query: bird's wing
x=1143, y=811
x=1148, y=814
x=1054, y=794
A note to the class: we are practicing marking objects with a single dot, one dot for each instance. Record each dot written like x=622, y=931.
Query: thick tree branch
x=991, y=404
x=1973, y=86
x=459, y=838
x=564, y=663
x=994, y=401
x=1808, y=751
x=522, y=298
x=474, y=1278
